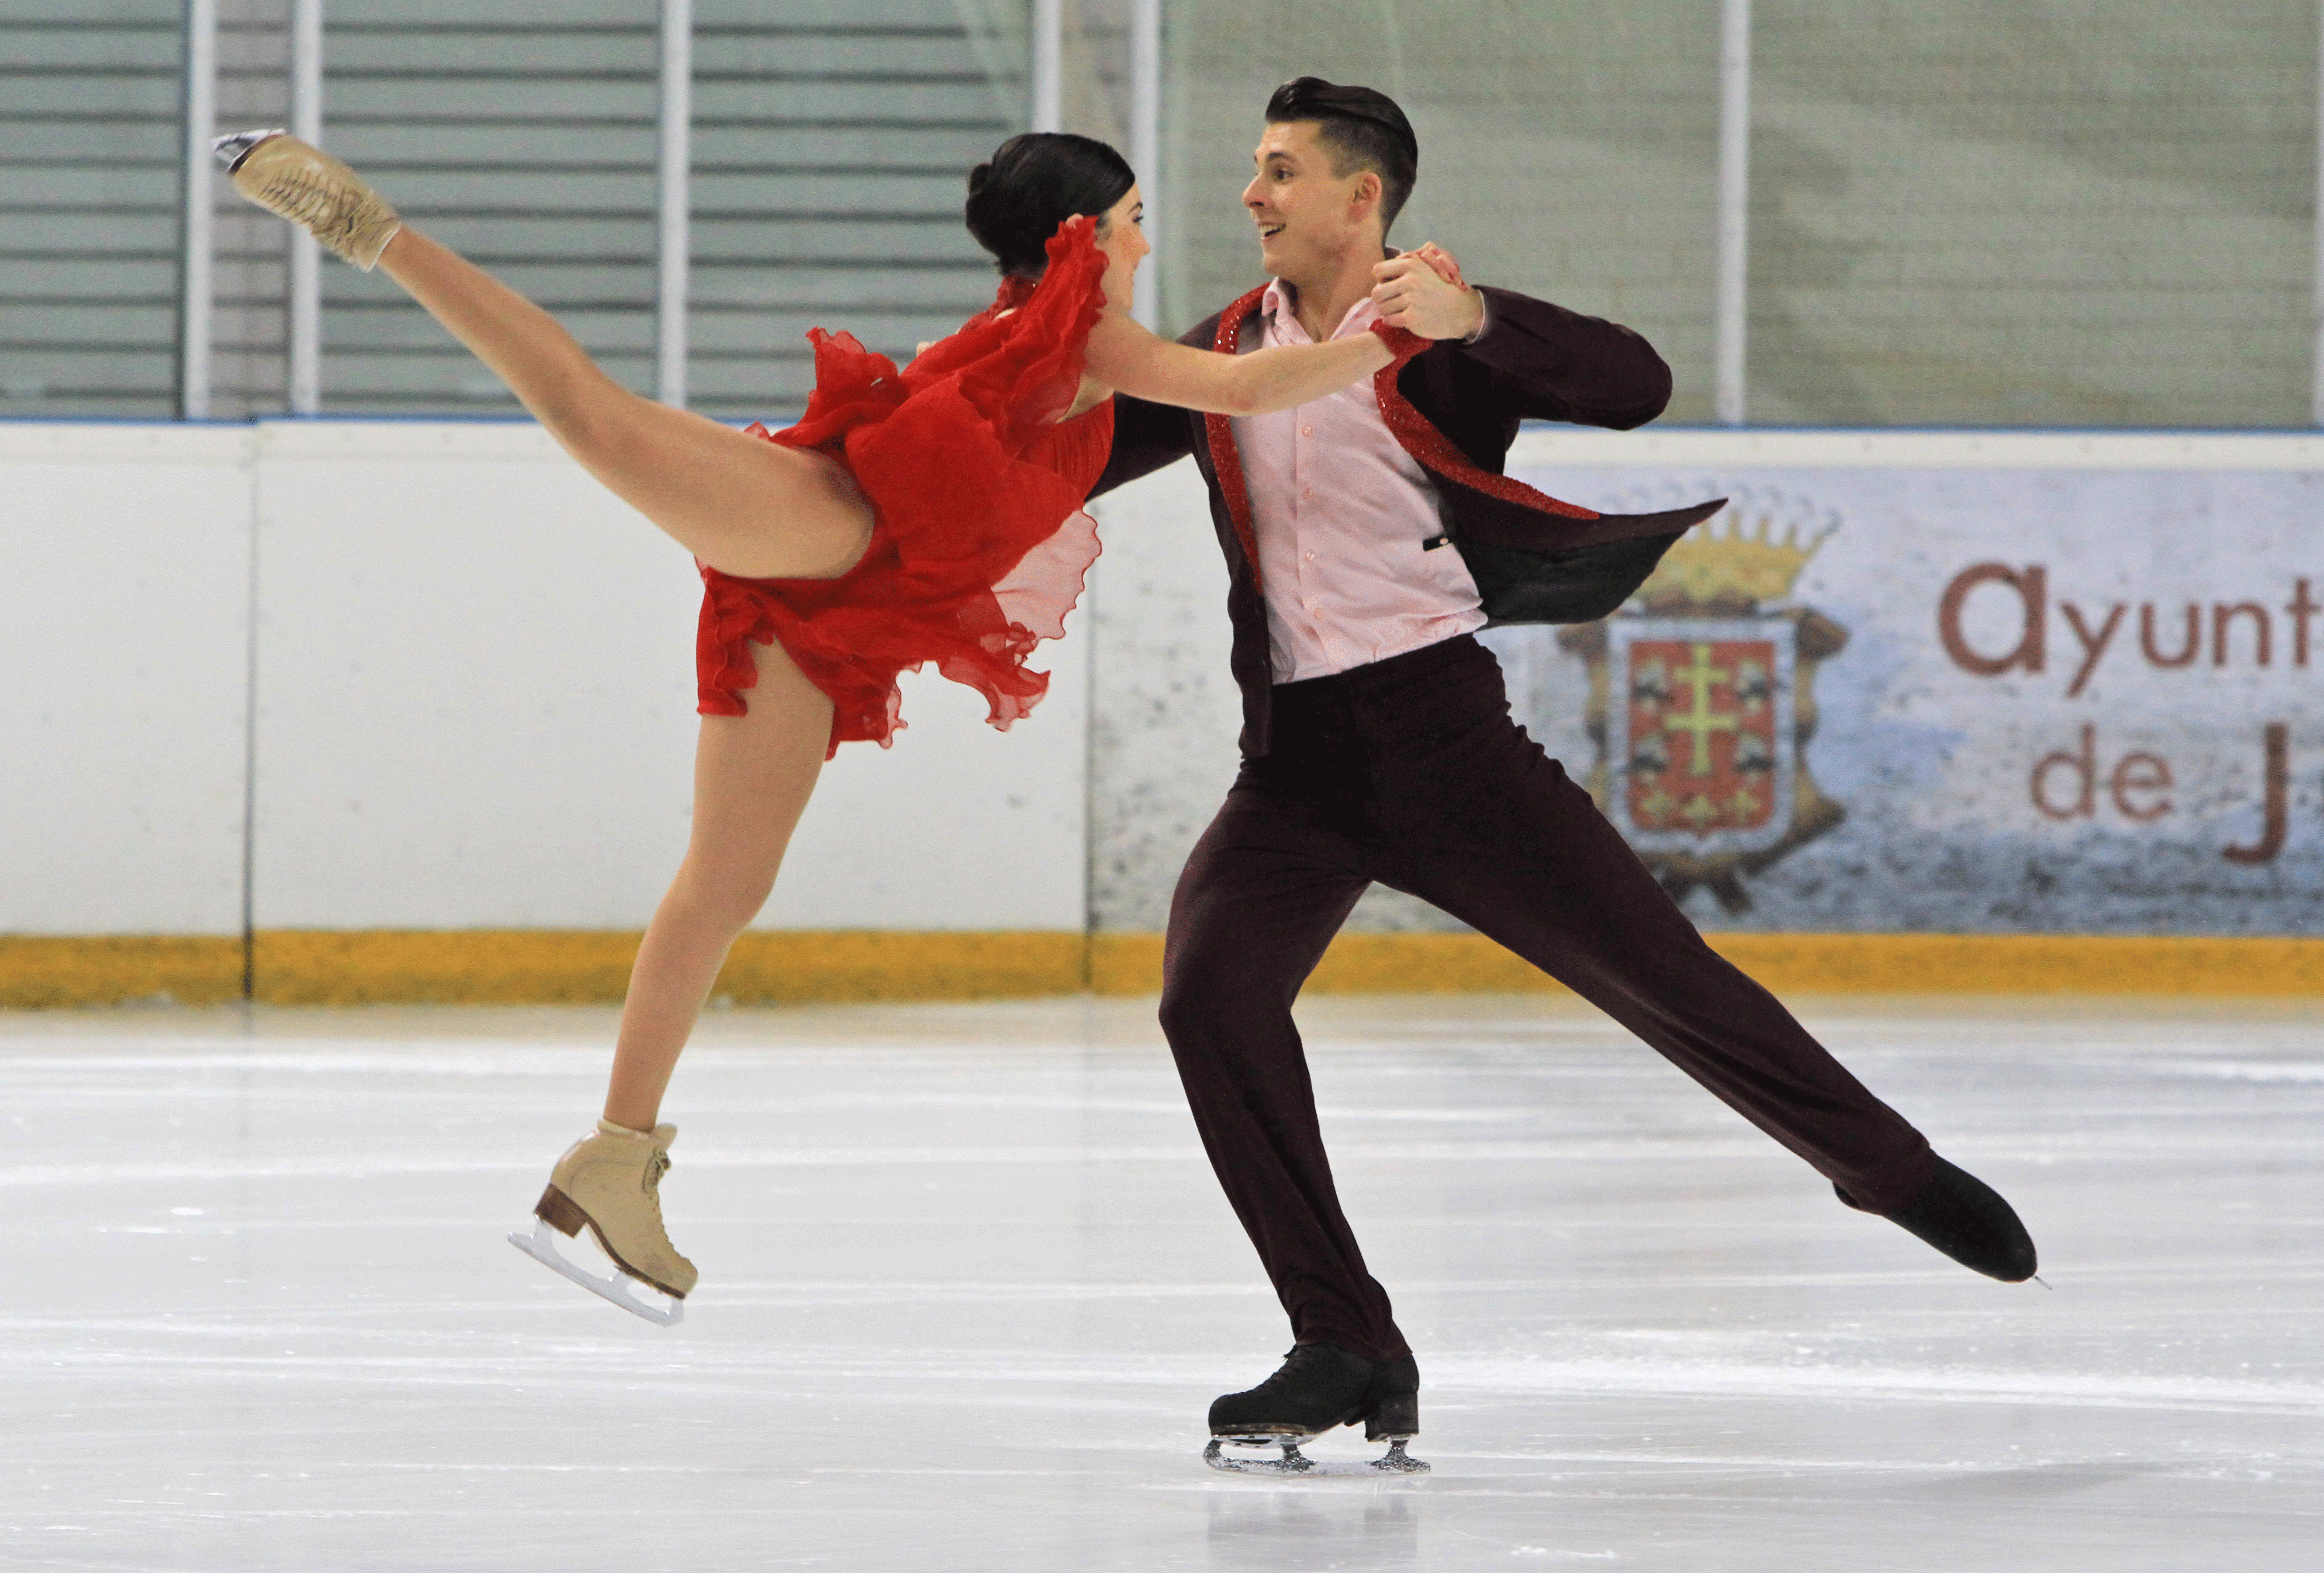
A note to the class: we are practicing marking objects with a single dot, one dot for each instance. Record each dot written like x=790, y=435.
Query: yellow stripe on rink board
x=575, y=967
x=1807, y=964
x=571, y=966
x=42, y=972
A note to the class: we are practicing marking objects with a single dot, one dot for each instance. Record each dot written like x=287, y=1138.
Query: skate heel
x=1391, y=1407
x=1397, y=1419
x=558, y=1210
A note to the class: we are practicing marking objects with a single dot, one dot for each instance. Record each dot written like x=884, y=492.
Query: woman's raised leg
x=742, y=504
x=752, y=775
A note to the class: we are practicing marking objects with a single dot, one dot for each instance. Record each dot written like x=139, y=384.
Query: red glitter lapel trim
x=1434, y=451
x=1226, y=462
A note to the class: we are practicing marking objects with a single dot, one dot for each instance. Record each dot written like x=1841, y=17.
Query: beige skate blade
x=540, y=1244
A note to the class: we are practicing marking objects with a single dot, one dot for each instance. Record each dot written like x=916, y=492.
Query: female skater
x=927, y=515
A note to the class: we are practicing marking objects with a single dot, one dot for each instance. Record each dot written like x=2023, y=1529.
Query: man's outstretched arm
x=1547, y=362
x=1554, y=364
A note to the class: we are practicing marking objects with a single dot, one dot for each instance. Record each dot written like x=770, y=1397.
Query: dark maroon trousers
x=1411, y=773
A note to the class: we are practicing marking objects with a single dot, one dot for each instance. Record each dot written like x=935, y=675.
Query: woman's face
x=1124, y=244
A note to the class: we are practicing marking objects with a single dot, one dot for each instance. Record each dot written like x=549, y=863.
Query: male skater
x=1367, y=536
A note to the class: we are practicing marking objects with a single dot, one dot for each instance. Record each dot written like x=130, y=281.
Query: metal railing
x=673, y=171
x=1038, y=28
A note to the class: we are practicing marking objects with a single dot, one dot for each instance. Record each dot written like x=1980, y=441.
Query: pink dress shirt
x=1342, y=511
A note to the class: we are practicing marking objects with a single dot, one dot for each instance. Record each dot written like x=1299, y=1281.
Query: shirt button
x=1307, y=493
x=1307, y=432
x=1311, y=557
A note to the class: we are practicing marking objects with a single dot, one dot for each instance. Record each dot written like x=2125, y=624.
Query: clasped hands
x=1423, y=292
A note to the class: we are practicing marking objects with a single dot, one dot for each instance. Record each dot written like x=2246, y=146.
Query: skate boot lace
x=1295, y=1361
x=655, y=1167
x=305, y=198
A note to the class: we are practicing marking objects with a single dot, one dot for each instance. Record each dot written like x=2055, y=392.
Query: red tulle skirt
x=979, y=543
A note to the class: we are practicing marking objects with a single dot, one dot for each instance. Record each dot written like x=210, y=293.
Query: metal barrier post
x=1733, y=292
x=194, y=261
x=2316, y=385
x=1146, y=136
x=676, y=166
x=306, y=257
x=1048, y=105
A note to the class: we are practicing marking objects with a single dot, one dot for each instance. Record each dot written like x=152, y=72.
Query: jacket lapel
x=1226, y=461
x=1434, y=452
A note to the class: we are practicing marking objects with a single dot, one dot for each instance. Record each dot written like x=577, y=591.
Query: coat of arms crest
x=1701, y=702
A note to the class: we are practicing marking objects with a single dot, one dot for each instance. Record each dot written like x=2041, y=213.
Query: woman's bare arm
x=1124, y=356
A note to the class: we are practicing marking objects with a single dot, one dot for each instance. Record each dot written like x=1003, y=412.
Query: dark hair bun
x=1034, y=184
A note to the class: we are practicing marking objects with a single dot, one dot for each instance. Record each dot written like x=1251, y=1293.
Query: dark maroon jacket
x=1532, y=558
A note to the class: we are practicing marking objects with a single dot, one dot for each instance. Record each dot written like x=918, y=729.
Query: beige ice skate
x=294, y=180
x=611, y=1183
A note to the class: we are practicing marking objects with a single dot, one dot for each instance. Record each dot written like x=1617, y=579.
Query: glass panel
x=1566, y=148
x=2034, y=212
x=2046, y=212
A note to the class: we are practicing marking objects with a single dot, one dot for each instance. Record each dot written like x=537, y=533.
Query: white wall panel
x=124, y=577
x=473, y=697
x=957, y=826
x=477, y=710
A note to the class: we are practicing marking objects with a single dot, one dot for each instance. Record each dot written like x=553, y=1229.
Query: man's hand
x=1422, y=293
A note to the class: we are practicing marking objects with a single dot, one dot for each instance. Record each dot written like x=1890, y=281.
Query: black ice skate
x=1318, y=1387
x=1968, y=1220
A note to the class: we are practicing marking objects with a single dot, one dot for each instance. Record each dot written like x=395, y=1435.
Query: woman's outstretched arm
x=1126, y=357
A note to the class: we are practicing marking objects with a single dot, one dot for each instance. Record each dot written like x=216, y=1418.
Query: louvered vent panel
x=832, y=146
x=90, y=196
x=527, y=145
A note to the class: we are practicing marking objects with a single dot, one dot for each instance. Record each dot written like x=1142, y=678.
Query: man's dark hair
x=1363, y=128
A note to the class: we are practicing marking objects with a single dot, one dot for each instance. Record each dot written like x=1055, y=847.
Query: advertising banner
x=2072, y=700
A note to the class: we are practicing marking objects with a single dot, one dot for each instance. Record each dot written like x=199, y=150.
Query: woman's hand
x=1422, y=292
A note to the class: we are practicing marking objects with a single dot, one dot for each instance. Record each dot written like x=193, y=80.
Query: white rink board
x=475, y=682
x=477, y=710
x=475, y=704
x=474, y=700
x=124, y=577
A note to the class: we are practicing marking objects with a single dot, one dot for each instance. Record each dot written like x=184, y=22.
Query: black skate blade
x=1295, y=1462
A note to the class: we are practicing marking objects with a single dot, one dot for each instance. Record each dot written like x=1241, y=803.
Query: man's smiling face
x=1308, y=217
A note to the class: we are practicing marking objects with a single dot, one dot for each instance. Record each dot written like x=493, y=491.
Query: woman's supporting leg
x=742, y=504
x=752, y=775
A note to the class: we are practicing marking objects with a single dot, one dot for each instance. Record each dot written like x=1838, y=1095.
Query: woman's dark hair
x=1032, y=184
x=1364, y=130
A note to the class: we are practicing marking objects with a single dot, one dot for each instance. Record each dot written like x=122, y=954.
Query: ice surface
x=968, y=1290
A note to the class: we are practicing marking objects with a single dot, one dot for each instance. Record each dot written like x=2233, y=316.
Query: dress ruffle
x=979, y=544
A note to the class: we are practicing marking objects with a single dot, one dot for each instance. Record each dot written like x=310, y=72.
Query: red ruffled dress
x=979, y=543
